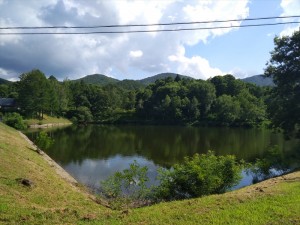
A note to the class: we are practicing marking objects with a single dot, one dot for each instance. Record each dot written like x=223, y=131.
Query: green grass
x=53, y=201
x=47, y=120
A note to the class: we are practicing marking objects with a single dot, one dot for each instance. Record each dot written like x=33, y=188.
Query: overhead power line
x=151, y=30
x=147, y=25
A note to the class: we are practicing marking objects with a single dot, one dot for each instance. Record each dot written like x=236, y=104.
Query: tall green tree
x=53, y=103
x=226, y=110
x=34, y=93
x=205, y=94
x=284, y=67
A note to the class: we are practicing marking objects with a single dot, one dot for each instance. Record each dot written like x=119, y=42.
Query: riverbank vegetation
x=197, y=176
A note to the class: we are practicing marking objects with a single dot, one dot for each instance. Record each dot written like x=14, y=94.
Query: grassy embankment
x=47, y=120
x=52, y=200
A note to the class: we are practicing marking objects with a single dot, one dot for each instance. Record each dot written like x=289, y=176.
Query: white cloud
x=195, y=66
x=290, y=8
x=136, y=54
x=211, y=11
x=76, y=55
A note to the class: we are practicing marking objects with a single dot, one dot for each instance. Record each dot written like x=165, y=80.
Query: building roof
x=6, y=102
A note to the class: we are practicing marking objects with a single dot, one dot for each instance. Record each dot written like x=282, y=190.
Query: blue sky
x=248, y=49
x=201, y=54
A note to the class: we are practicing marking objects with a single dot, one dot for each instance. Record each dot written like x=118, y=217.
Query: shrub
x=43, y=141
x=130, y=182
x=199, y=175
x=14, y=120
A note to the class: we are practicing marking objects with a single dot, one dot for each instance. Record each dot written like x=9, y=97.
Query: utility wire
x=149, y=31
x=148, y=25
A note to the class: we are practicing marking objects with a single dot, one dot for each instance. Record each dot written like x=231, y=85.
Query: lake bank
x=52, y=200
x=47, y=121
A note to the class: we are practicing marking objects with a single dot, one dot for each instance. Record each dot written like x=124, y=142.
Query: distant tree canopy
x=284, y=67
x=76, y=100
x=221, y=100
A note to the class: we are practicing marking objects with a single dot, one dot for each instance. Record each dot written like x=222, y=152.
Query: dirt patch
x=267, y=187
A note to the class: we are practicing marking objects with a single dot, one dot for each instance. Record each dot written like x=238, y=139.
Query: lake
x=94, y=152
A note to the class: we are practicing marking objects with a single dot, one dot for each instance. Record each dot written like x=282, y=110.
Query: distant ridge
x=102, y=80
x=260, y=80
x=99, y=79
x=3, y=81
x=152, y=79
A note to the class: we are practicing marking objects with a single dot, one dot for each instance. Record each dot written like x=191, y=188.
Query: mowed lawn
x=52, y=200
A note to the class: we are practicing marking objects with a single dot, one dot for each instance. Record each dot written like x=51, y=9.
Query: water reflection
x=92, y=153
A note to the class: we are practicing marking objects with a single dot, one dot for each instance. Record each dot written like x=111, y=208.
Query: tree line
x=221, y=100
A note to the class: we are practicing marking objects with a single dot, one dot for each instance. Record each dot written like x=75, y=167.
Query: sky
x=201, y=54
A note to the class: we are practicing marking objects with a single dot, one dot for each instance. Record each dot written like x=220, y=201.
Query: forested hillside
x=3, y=81
x=99, y=79
x=260, y=80
x=152, y=79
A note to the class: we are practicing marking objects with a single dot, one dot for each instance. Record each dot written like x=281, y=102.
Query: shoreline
x=59, y=170
x=64, y=174
x=48, y=125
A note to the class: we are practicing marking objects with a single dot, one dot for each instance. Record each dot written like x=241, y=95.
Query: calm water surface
x=92, y=153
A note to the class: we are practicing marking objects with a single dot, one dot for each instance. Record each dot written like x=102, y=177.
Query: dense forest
x=221, y=100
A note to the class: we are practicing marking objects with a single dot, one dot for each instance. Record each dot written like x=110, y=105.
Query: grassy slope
x=47, y=120
x=53, y=201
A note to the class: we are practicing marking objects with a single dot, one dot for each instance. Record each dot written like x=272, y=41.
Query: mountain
x=259, y=80
x=99, y=79
x=103, y=80
x=152, y=79
x=3, y=81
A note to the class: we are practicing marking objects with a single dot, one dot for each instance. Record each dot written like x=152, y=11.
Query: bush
x=127, y=187
x=80, y=115
x=14, y=120
x=43, y=141
x=130, y=182
x=199, y=175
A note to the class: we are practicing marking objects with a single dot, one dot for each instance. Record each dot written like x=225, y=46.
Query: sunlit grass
x=47, y=120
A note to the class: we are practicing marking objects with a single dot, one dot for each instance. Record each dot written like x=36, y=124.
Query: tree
x=252, y=109
x=53, y=103
x=205, y=93
x=227, y=85
x=284, y=67
x=3, y=91
x=34, y=93
x=226, y=109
